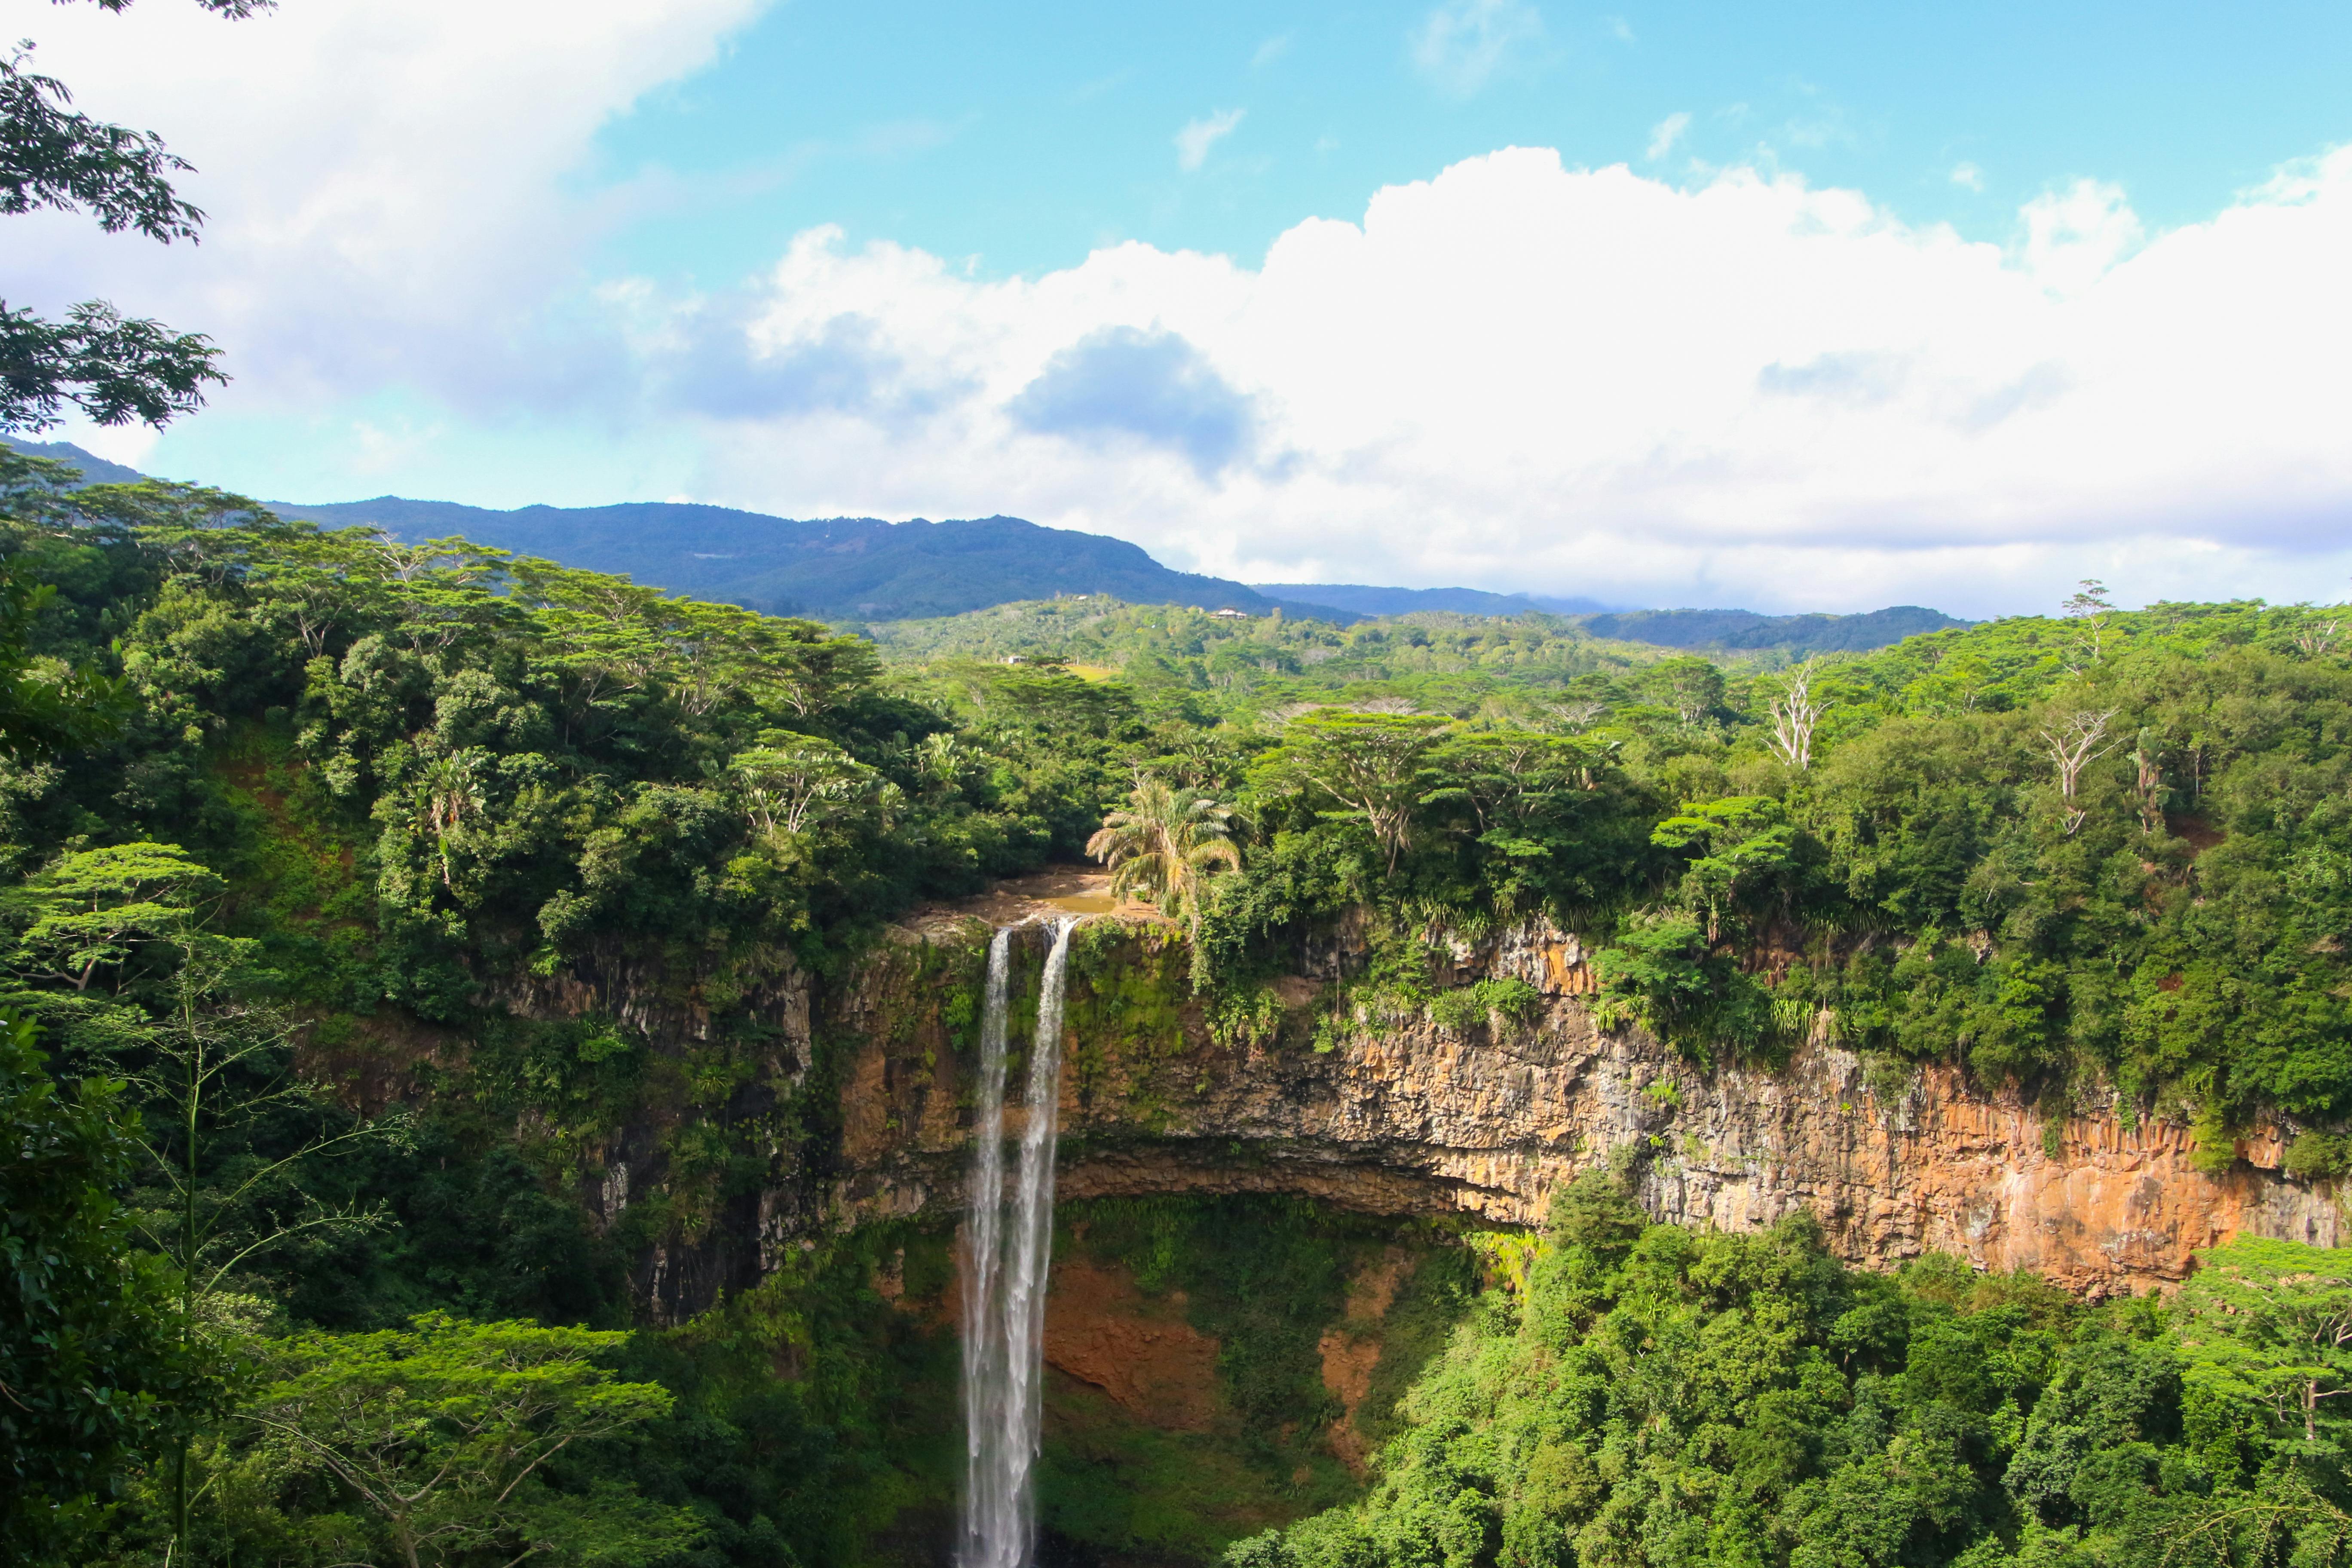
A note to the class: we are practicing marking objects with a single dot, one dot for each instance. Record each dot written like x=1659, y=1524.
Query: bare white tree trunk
x=2074, y=746
x=1577, y=715
x=1794, y=716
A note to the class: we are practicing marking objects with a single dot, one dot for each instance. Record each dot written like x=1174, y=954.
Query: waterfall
x=1009, y=1244
x=985, y=1497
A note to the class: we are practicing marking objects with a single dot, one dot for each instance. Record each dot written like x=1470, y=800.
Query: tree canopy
x=1651, y=1396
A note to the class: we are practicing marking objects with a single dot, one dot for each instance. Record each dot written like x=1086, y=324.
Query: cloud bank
x=1519, y=374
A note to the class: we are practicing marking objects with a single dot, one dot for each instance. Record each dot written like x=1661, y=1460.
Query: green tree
x=444, y=1432
x=111, y=367
x=45, y=705
x=1507, y=776
x=792, y=784
x=207, y=1063
x=92, y=911
x=1655, y=973
x=1691, y=686
x=2270, y=1322
x=212, y=1074
x=1368, y=763
x=448, y=790
x=1737, y=844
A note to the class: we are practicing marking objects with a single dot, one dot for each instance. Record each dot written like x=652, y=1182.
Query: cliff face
x=1408, y=1117
x=737, y=1063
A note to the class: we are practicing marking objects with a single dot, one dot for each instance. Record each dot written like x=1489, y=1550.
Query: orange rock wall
x=1412, y=1118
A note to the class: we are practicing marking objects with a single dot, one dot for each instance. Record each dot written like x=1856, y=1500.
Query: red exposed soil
x=1351, y=1351
x=1100, y=1330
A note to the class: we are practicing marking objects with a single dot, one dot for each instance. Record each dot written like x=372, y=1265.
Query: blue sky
x=1799, y=307
x=1029, y=134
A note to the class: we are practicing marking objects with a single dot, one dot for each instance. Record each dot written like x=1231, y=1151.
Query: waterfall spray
x=1009, y=1251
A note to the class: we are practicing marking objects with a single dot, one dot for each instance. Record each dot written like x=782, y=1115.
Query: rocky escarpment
x=1485, y=1119
x=736, y=1064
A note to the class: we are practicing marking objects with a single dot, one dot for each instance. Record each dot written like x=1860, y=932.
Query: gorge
x=654, y=991
x=1471, y=1127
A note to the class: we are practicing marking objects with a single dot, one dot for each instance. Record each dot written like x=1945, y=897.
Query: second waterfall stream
x=1009, y=1247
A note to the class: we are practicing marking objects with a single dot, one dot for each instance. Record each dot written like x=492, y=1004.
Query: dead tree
x=2073, y=744
x=2090, y=604
x=1575, y=716
x=1794, y=716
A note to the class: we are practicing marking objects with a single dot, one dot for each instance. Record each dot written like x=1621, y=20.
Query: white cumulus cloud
x=1519, y=374
x=385, y=184
x=1515, y=375
x=1192, y=142
x=2075, y=237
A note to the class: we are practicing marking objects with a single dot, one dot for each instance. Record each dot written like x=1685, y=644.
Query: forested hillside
x=1452, y=658
x=293, y=816
x=1738, y=630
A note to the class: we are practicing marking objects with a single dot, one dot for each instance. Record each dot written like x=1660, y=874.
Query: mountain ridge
x=833, y=569
x=850, y=571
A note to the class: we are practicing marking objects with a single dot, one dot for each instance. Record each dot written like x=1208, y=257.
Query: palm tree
x=1163, y=845
x=450, y=791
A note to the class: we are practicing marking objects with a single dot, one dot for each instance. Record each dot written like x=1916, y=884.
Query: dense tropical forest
x=1645, y=1395
x=299, y=1266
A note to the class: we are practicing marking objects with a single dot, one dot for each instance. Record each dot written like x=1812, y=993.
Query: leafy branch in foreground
x=91, y=1361
x=52, y=157
x=111, y=367
x=444, y=1431
x=211, y=1067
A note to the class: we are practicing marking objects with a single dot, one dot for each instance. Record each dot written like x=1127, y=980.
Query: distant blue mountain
x=849, y=570
x=94, y=470
x=844, y=569
x=1366, y=600
x=1721, y=630
x=1745, y=630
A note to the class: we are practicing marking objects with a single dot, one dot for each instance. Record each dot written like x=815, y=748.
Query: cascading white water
x=1009, y=1243
x=984, y=1343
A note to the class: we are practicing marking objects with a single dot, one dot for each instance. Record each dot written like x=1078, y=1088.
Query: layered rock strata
x=1405, y=1116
